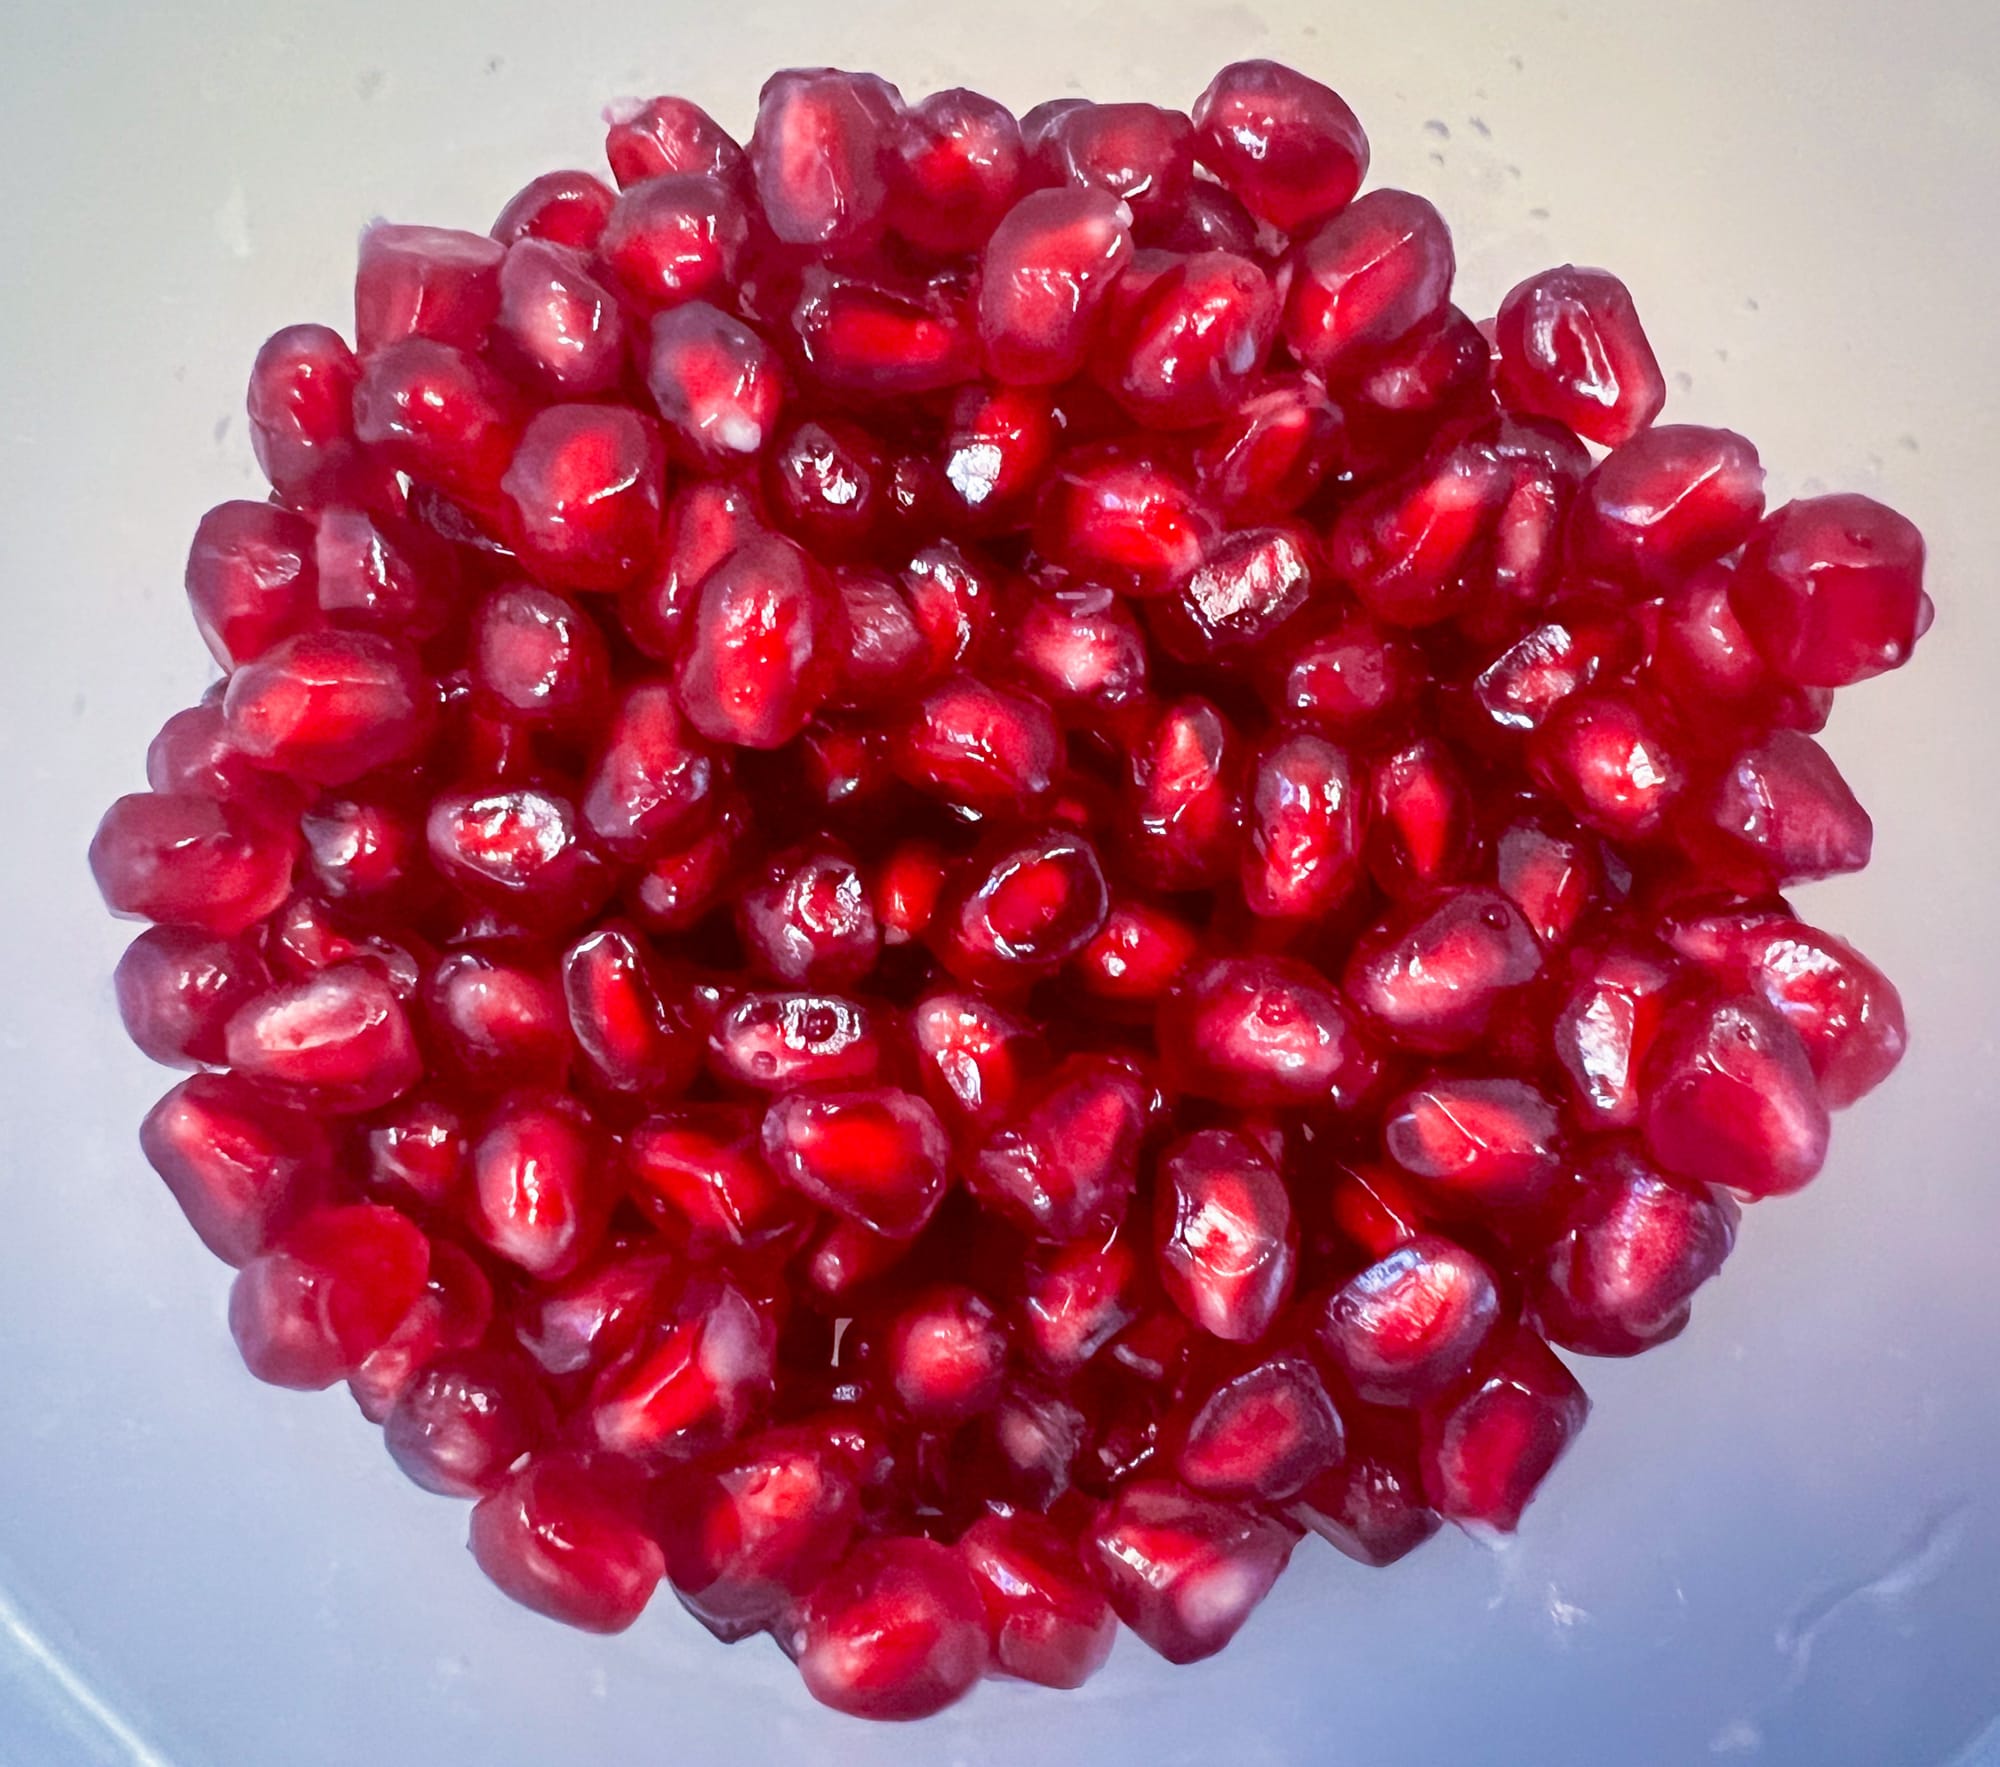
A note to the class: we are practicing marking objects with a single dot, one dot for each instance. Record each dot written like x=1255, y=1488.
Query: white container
x=1777, y=1542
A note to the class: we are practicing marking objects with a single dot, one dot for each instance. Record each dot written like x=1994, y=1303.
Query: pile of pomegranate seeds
x=953, y=869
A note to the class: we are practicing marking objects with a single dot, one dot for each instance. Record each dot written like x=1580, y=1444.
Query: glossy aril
x=1674, y=497
x=944, y=1354
x=1286, y=145
x=558, y=327
x=700, y=1169
x=1411, y=1323
x=1048, y=1623
x=758, y=657
x=1781, y=810
x=1487, y=1448
x=776, y=1042
x=877, y=1156
x=875, y=338
x=1606, y=1025
x=519, y=850
x=1248, y=587
x=241, y=1167
x=1476, y=1144
x=538, y=656
x=1121, y=516
x=652, y=780
x=465, y=1419
x=1249, y=1031
x=301, y=409
x=1268, y=453
x=1371, y=1506
x=430, y=282
x=820, y=157
x=339, y=1041
x=541, y=1187
x=1409, y=547
x=581, y=498
x=177, y=987
x=974, y=1056
x=1571, y=348
x=1139, y=153
x=330, y=706
x=1062, y=1165
x=1304, y=812
x=717, y=386
x=1226, y=1242
x=1043, y=280
x=1264, y=1432
x=1180, y=797
x=440, y=415
x=1022, y=907
x=1435, y=975
x=495, y=1018
x=694, y=1379
x=674, y=238
x=1371, y=275
x=955, y=167
x=649, y=138
x=568, y=208
x=1190, y=346
x=566, y=1536
x=626, y=1027
x=898, y=1630
x=251, y=579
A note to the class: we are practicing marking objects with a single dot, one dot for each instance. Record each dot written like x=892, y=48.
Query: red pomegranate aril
x=414, y=1152
x=558, y=327
x=828, y=482
x=1047, y=1622
x=441, y=416
x=1436, y=974
x=693, y=1382
x=1226, y=1242
x=872, y=338
x=1043, y=280
x=465, y=1420
x=251, y=579
x=717, y=385
x=1831, y=590
x=453, y=1313
x=496, y=1019
x=578, y=1323
x=1420, y=823
x=819, y=153
x=706, y=521
x=973, y=1056
x=1371, y=275
x=1182, y=352
x=1340, y=673
x=429, y=282
x=564, y=208
x=956, y=164
x=193, y=756
x=177, y=987
x=1604, y=755
x=541, y=1190
x=1571, y=347
x=1077, y=1298
x=1261, y=1434
x=1371, y=1506
x=1080, y=647
x=1138, y=153
x=301, y=409
x=1136, y=956
x=1474, y=1144
x=1730, y=1098
x=1184, y=1571
x=806, y=919
x=905, y=889
x=1432, y=378
x=566, y=1536
x=944, y=1354
x=1287, y=146
x=330, y=706
x=631, y=1040
x=1604, y=1029
x=877, y=1156
x=537, y=655
x=307, y=1312
x=652, y=779
x=1022, y=907
x=385, y=577
x=1062, y=1165
x=653, y=137
x=581, y=497
x=701, y=1167
x=1249, y=585
x=1408, y=547
x=338, y=1041
x=897, y=1631
x=1302, y=842
x=980, y=748
x=678, y=237
x=1180, y=798
x=241, y=1169
x=1551, y=871
x=190, y=861
x=1118, y=515
x=1674, y=497
x=517, y=849
x=1412, y=1323
x=1487, y=1449
x=1781, y=811
x=1263, y=1031
x=680, y=887
x=1268, y=454
x=759, y=656
x=751, y=1533
x=1628, y=1256
x=1529, y=682
x=1846, y=1012
x=779, y=1042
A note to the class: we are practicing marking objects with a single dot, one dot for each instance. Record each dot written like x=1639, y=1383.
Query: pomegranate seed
x=541, y=1196
x=383, y=577
x=1186, y=350
x=193, y=756
x=1530, y=681
x=416, y=1152
x=309, y=1311
x=674, y=238
x=1436, y=974
x=1303, y=839
x=1549, y=870
x=706, y=521
x=1782, y=811
x=828, y=483
x=820, y=155
x=537, y=655
x=1629, y=1254
x=1249, y=585
x=872, y=338
x=330, y=706
x=944, y=1355
x=1077, y=1298
x=1604, y=1029
x=338, y=1041
x=565, y=208
x=190, y=861
x=807, y=920
x=1487, y=1449
x=1138, y=153
x=1116, y=514
x=441, y=416
x=1047, y=1623
x=1412, y=1323
x=1043, y=280
x=1671, y=499
x=301, y=410
x=693, y=1382
x=1406, y=546
x=177, y=987
x=1287, y=146
x=1367, y=278
x=1063, y=1164
x=1227, y=1243
x=1251, y=1031
x=876, y=1156
x=955, y=168
x=496, y=1020
x=754, y=1532
x=579, y=1323
x=1571, y=347
x=651, y=780
x=1731, y=1099
x=1371, y=1506
x=452, y=1313
x=251, y=579
x=1831, y=590
x=717, y=385
x=565, y=1535
x=760, y=652
x=897, y=1631
x=779, y=1042
x=1184, y=1571
x=630, y=1038
x=701, y=1167
x=973, y=1056
x=465, y=1419
x=1136, y=956
x=1268, y=453
x=1263, y=1433
x=425, y=282
x=558, y=328
x=582, y=495
x=1437, y=376
x=1485, y=1144
x=997, y=442
x=679, y=887
x=518, y=850
x=241, y=1169
x=1846, y=1012
x=654, y=137
x=979, y=747
x=1081, y=647
x=1023, y=906
x=1342, y=675
x=1180, y=801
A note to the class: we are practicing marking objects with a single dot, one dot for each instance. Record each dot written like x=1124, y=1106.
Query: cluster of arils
x=953, y=868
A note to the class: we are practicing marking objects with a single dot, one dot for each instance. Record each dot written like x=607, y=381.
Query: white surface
x=1778, y=1541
